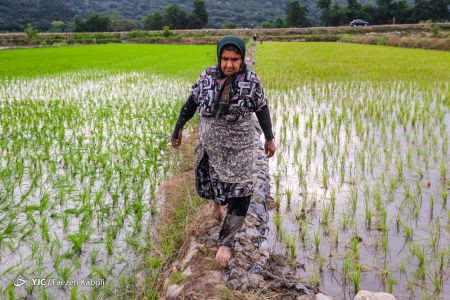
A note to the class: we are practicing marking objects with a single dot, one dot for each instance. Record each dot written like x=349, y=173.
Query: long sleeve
x=265, y=122
x=186, y=113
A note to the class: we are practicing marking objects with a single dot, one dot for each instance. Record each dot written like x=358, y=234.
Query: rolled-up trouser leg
x=237, y=210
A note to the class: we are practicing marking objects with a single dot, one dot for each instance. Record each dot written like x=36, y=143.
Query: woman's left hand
x=269, y=148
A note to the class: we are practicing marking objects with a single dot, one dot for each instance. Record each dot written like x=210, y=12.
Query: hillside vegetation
x=15, y=15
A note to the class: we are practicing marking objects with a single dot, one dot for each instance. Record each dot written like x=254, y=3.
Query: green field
x=360, y=177
x=361, y=174
x=299, y=62
x=168, y=60
x=83, y=147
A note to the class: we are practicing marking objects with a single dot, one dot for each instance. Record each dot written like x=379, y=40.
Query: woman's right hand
x=176, y=142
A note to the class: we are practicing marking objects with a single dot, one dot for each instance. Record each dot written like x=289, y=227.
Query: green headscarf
x=230, y=40
x=228, y=89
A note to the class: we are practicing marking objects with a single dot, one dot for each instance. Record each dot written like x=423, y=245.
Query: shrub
x=31, y=32
x=381, y=41
x=54, y=39
x=435, y=29
x=166, y=31
x=138, y=34
x=394, y=41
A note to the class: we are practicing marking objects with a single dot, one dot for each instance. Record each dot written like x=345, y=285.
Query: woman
x=226, y=95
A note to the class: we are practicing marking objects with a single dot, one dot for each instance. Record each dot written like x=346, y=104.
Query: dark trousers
x=237, y=210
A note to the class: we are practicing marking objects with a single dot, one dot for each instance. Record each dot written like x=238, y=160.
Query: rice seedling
x=336, y=238
x=325, y=216
x=391, y=281
x=277, y=221
x=44, y=230
x=303, y=230
x=437, y=283
x=432, y=201
x=442, y=257
x=355, y=278
x=346, y=266
x=93, y=255
x=288, y=194
x=385, y=244
x=333, y=200
x=291, y=243
x=408, y=232
x=401, y=267
x=78, y=240
x=317, y=242
x=419, y=253
x=345, y=221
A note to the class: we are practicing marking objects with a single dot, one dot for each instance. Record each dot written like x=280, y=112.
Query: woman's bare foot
x=218, y=211
x=223, y=255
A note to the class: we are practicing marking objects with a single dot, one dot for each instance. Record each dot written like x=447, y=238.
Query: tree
x=78, y=24
x=97, y=23
x=368, y=13
x=435, y=10
x=422, y=10
x=353, y=10
x=279, y=23
x=337, y=15
x=265, y=24
x=57, y=26
x=229, y=25
x=296, y=15
x=124, y=25
x=199, y=16
x=384, y=12
x=153, y=21
x=325, y=6
x=402, y=12
x=439, y=10
x=120, y=24
x=175, y=17
x=31, y=32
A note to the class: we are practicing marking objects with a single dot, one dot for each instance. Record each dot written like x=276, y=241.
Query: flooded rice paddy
x=360, y=178
x=361, y=181
x=81, y=156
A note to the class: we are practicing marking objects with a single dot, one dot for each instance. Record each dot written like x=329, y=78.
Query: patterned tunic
x=224, y=154
x=249, y=96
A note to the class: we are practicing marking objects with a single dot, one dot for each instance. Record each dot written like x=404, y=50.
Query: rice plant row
x=81, y=156
x=361, y=180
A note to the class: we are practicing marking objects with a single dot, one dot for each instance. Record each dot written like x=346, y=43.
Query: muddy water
x=70, y=175
x=21, y=261
x=423, y=180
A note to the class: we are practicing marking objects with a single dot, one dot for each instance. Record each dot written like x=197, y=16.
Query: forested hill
x=15, y=14
x=125, y=15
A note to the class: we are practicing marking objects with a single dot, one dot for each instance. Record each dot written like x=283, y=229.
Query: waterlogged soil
x=77, y=211
x=425, y=211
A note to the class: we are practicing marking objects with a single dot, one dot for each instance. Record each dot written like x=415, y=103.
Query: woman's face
x=230, y=62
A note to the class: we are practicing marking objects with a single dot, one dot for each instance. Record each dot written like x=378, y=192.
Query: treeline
x=177, y=18
x=384, y=12
x=77, y=16
x=173, y=17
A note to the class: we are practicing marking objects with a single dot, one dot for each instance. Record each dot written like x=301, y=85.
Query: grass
x=335, y=61
x=168, y=60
